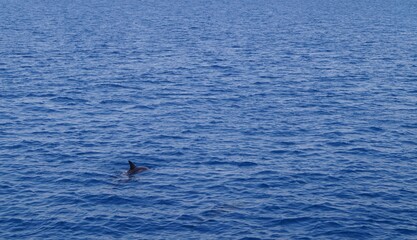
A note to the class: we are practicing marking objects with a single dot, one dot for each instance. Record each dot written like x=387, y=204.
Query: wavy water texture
x=257, y=119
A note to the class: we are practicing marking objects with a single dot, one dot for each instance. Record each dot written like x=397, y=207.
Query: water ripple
x=258, y=120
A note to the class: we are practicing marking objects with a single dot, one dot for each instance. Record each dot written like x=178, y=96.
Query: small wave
x=144, y=107
x=279, y=151
x=114, y=101
x=406, y=231
x=338, y=144
x=40, y=109
x=68, y=100
x=351, y=234
x=292, y=221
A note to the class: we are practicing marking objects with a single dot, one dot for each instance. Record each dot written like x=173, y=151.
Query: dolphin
x=133, y=169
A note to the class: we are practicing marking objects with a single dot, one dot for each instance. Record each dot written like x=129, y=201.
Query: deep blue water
x=258, y=119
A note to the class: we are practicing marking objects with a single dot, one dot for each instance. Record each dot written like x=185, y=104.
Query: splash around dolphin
x=133, y=169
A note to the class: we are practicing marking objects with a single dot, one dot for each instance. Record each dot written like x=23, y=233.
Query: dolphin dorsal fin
x=132, y=165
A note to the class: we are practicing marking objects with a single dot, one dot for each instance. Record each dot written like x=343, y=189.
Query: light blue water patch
x=257, y=119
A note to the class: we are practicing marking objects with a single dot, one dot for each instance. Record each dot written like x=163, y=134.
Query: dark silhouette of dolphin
x=133, y=169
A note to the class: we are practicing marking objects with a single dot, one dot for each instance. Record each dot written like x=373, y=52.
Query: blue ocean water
x=258, y=119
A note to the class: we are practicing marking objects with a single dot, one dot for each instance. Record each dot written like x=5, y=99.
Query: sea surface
x=267, y=119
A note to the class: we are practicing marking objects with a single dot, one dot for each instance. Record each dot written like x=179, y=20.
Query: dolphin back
x=132, y=165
